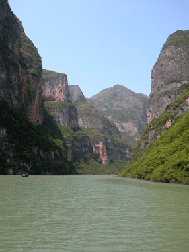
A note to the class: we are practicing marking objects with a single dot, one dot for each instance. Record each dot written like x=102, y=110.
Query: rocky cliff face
x=109, y=151
x=89, y=117
x=23, y=145
x=169, y=98
x=25, y=148
x=57, y=96
x=59, y=110
x=63, y=113
x=105, y=137
x=20, y=78
x=76, y=94
x=169, y=74
x=55, y=86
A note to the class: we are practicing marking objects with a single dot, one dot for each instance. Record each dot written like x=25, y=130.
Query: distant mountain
x=124, y=107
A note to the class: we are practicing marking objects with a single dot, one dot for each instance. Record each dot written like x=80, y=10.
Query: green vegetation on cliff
x=57, y=105
x=167, y=159
x=29, y=52
x=120, y=103
x=31, y=58
x=21, y=141
x=163, y=159
x=51, y=74
x=157, y=125
x=92, y=167
x=108, y=127
x=125, y=108
x=179, y=39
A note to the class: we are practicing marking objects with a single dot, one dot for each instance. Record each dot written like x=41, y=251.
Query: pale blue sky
x=100, y=43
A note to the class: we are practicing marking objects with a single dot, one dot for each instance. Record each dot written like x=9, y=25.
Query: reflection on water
x=92, y=213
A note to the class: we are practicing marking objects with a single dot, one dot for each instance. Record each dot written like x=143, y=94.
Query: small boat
x=25, y=175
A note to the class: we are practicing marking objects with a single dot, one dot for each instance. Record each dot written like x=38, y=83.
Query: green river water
x=92, y=213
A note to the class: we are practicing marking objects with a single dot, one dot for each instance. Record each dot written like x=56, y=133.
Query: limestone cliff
x=56, y=96
x=63, y=113
x=20, y=67
x=169, y=98
x=105, y=137
x=76, y=94
x=24, y=142
x=109, y=150
x=169, y=74
x=55, y=86
x=28, y=148
x=162, y=151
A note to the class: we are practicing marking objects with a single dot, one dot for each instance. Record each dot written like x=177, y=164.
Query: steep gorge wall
x=63, y=113
x=169, y=98
x=20, y=77
x=56, y=97
x=76, y=94
x=170, y=74
x=109, y=151
x=55, y=86
x=24, y=147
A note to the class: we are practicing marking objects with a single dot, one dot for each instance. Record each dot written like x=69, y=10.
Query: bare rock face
x=56, y=95
x=170, y=74
x=55, y=86
x=90, y=122
x=63, y=113
x=79, y=149
x=110, y=151
x=20, y=78
x=11, y=62
x=76, y=94
x=169, y=98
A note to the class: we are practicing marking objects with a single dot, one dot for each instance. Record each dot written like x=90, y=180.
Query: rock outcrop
x=20, y=67
x=169, y=74
x=39, y=130
x=104, y=136
x=109, y=151
x=24, y=147
x=59, y=110
x=161, y=154
x=57, y=102
x=76, y=94
x=55, y=86
x=63, y=113
x=169, y=98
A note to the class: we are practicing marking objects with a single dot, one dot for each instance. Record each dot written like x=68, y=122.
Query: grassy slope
x=167, y=159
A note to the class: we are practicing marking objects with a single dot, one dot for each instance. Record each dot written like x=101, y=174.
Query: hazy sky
x=100, y=43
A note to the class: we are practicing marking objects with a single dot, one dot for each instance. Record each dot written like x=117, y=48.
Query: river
x=92, y=213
